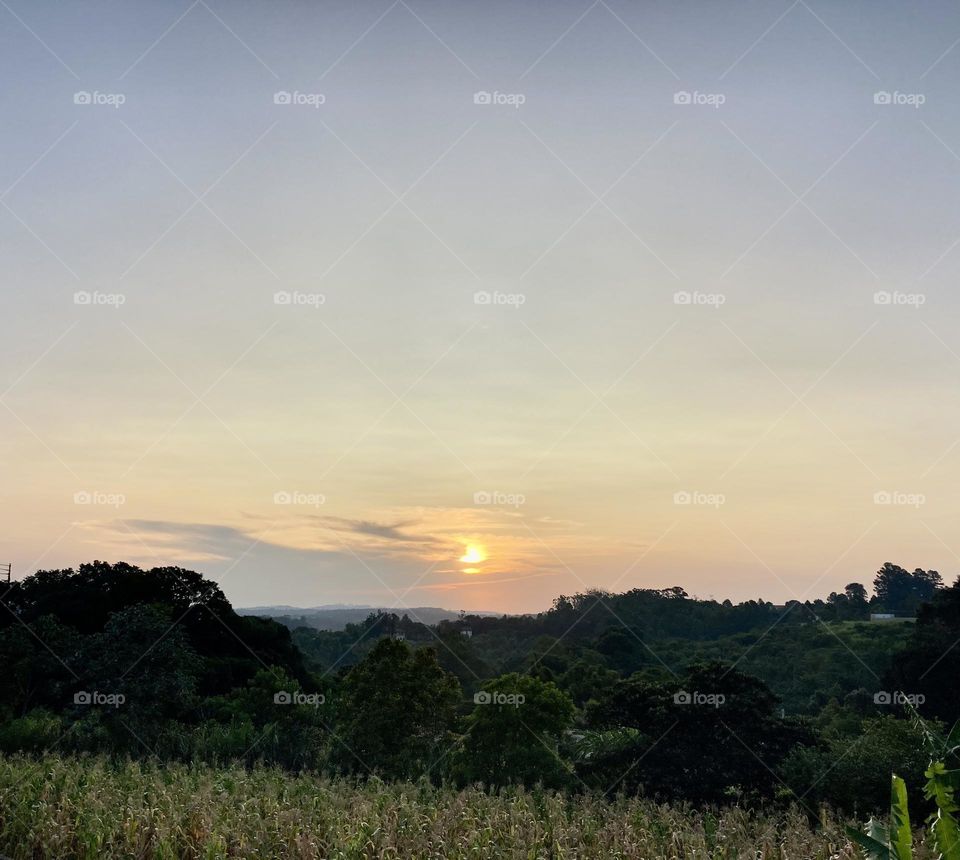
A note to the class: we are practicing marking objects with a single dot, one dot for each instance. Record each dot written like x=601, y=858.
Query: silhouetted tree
x=897, y=590
x=930, y=665
x=706, y=736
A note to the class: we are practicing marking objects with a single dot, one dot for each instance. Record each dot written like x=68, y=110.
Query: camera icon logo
x=82, y=298
x=82, y=498
x=682, y=298
x=882, y=497
x=482, y=698
x=682, y=97
x=282, y=97
x=482, y=497
x=82, y=97
x=882, y=298
x=882, y=698
x=681, y=697
x=482, y=97
x=482, y=298
x=682, y=497
x=882, y=97
x=82, y=698
x=282, y=698
x=282, y=498
x=282, y=298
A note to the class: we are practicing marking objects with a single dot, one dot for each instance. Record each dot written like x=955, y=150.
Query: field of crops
x=87, y=808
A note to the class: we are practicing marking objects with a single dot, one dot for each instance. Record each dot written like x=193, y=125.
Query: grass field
x=87, y=808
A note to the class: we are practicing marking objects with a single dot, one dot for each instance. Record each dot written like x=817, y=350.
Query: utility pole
x=6, y=569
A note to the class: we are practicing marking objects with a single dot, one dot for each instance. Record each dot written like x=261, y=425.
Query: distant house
x=466, y=632
x=890, y=616
x=400, y=637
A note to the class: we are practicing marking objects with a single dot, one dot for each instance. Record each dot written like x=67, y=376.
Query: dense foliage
x=651, y=692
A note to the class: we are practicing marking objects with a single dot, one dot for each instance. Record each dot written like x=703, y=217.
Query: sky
x=418, y=303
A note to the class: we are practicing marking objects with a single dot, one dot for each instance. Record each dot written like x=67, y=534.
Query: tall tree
x=898, y=590
x=398, y=707
x=513, y=734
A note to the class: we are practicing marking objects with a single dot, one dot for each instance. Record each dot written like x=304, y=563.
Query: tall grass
x=90, y=808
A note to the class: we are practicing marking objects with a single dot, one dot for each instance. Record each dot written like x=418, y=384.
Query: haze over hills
x=337, y=616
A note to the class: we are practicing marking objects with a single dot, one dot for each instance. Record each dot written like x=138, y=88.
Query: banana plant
x=888, y=843
x=941, y=787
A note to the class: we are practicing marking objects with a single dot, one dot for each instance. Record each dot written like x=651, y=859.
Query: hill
x=338, y=616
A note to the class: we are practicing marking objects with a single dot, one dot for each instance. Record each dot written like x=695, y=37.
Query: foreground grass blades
x=89, y=808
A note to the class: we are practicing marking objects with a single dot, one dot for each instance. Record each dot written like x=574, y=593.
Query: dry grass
x=88, y=808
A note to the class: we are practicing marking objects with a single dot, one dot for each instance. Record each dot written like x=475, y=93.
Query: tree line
x=650, y=691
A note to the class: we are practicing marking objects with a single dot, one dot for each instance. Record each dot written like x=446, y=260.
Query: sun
x=474, y=554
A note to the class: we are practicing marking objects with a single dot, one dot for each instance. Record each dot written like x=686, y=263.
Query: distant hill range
x=337, y=616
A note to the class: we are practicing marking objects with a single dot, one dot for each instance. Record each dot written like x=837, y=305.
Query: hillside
x=337, y=617
x=651, y=691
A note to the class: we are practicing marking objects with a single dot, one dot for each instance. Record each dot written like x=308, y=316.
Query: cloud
x=312, y=558
x=386, y=531
x=162, y=542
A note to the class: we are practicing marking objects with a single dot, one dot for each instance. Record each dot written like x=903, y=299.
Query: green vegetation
x=615, y=701
x=895, y=841
x=93, y=810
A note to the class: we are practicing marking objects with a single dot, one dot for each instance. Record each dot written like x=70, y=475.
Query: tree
x=930, y=665
x=702, y=737
x=854, y=773
x=39, y=666
x=144, y=673
x=897, y=590
x=84, y=599
x=514, y=732
x=398, y=706
x=288, y=725
x=856, y=593
x=857, y=601
x=235, y=647
x=851, y=604
x=619, y=647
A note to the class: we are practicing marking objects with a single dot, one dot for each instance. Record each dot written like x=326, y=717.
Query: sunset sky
x=472, y=305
